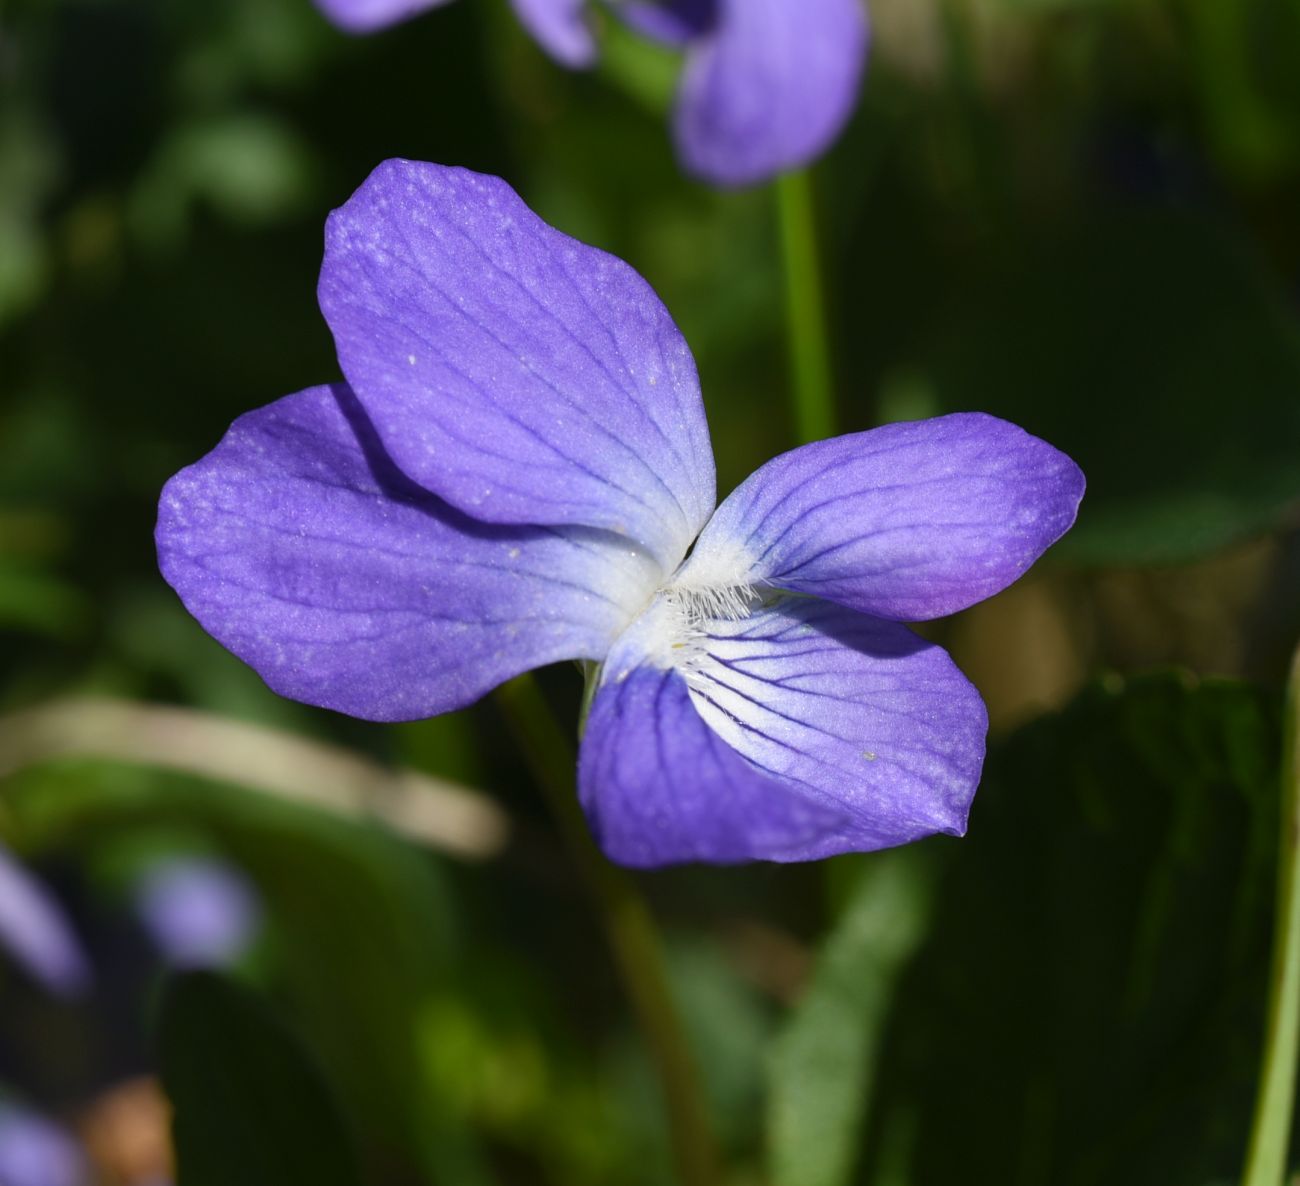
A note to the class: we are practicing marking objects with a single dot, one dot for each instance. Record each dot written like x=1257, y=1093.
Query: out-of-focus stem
x=805, y=309
x=631, y=931
x=425, y=809
x=1270, y=1137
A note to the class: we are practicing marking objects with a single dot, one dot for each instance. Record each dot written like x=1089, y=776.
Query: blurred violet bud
x=37, y=934
x=766, y=85
x=199, y=912
x=36, y=1152
x=518, y=471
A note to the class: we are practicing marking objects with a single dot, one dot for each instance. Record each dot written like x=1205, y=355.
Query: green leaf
x=1087, y=1008
x=1155, y=350
x=822, y=1065
x=249, y=1107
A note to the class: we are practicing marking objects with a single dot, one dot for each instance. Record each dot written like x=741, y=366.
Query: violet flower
x=35, y=1151
x=766, y=85
x=36, y=933
x=518, y=471
x=199, y=911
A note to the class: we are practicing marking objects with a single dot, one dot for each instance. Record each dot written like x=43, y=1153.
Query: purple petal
x=521, y=376
x=560, y=27
x=660, y=787
x=909, y=521
x=798, y=732
x=673, y=22
x=299, y=547
x=770, y=88
x=36, y=1152
x=365, y=16
x=200, y=912
x=36, y=933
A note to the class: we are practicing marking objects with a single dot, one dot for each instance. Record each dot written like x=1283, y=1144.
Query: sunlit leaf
x=822, y=1066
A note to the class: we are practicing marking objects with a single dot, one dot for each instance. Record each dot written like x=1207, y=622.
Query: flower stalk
x=629, y=927
x=805, y=309
x=1270, y=1138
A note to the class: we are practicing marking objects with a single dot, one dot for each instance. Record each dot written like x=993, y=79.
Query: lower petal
x=660, y=787
x=797, y=732
x=300, y=547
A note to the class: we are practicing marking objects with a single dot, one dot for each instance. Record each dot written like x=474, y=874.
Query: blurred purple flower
x=37, y=935
x=36, y=1152
x=200, y=912
x=767, y=85
x=518, y=471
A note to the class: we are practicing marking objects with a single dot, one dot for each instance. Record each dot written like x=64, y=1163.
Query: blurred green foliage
x=1092, y=981
x=1077, y=213
x=248, y=1105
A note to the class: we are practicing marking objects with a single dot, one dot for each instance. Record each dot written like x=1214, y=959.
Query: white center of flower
x=677, y=625
x=674, y=630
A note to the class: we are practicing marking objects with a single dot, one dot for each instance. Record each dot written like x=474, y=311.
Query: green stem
x=629, y=927
x=805, y=309
x=1270, y=1136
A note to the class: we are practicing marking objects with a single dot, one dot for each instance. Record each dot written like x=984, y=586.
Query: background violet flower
x=517, y=470
x=36, y=1152
x=200, y=912
x=37, y=934
x=767, y=85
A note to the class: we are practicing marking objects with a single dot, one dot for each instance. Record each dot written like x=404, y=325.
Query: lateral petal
x=770, y=87
x=511, y=370
x=300, y=547
x=798, y=732
x=909, y=521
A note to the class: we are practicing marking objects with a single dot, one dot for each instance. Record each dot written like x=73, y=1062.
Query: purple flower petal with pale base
x=35, y=932
x=299, y=547
x=909, y=521
x=660, y=787
x=769, y=88
x=520, y=375
x=795, y=732
x=365, y=16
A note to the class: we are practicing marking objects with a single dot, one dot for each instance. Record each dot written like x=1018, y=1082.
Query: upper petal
x=560, y=28
x=365, y=16
x=299, y=546
x=909, y=521
x=518, y=374
x=797, y=732
x=770, y=87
